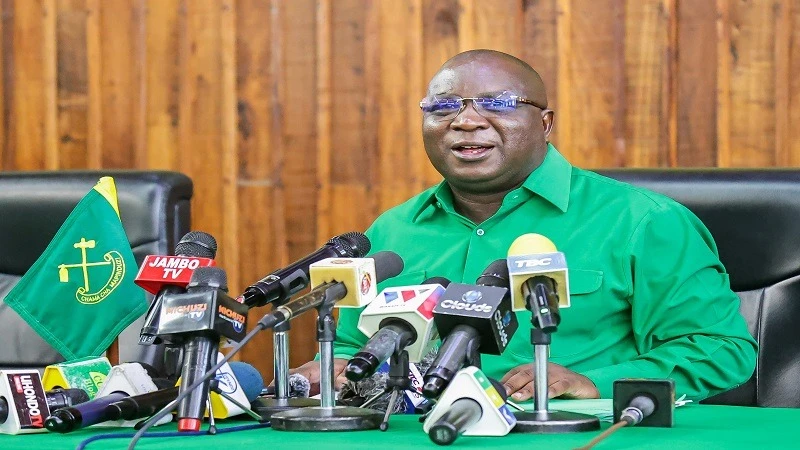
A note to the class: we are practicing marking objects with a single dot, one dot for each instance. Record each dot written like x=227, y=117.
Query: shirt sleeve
x=685, y=318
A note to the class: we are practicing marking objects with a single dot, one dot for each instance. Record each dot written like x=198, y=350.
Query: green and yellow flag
x=79, y=295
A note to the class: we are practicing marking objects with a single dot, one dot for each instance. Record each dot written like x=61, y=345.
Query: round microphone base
x=554, y=422
x=338, y=418
x=266, y=407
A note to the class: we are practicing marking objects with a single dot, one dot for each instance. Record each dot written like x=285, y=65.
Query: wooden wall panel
x=696, y=94
x=793, y=158
x=540, y=48
x=591, y=80
x=752, y=83
x=299, y=119
x=73, y=84
x=162, y=86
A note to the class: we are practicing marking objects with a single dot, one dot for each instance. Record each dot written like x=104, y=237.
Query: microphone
x=144, y=405
x=539, y=279
x=72, y=418
x=646, y=402
x=472, y=405
x=299, y=387
x=159, y=275
x=475, y=319
x=24, y=403
x=356, y=393
x=350, y=282
x=282, y=284
x=123, y=380
x=201, y=315
x=62, y=398
x=400, y=318
x=539, y=283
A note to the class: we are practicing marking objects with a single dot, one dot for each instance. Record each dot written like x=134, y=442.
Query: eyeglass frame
x=512, y=96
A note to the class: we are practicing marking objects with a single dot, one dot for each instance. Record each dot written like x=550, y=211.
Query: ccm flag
x=79, y=295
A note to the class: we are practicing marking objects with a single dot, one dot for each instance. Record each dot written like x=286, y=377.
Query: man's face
x=481, y=152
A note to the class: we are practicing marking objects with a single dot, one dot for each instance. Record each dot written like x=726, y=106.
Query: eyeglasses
x=449, y=107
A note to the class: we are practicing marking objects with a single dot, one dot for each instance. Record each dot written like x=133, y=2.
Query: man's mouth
x=472, y=152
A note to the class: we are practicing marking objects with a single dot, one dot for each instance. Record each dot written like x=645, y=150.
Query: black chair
x=754, y=216
x=155, y=212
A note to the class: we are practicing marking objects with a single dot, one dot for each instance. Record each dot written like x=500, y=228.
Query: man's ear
x=548, y=117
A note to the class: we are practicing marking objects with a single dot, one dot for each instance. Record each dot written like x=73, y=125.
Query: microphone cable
x=638, y=409
x=167, y=434
x=605, y=434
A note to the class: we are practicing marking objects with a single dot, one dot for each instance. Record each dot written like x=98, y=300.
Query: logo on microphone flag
x=79, y=295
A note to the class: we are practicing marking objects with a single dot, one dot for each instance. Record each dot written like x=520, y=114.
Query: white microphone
x=400, y=318
x=472, y=406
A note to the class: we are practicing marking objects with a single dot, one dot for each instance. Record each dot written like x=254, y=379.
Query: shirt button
x=479, y=232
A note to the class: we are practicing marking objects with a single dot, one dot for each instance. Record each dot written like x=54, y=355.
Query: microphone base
x=266, y=407
x=554, y=422
x=338, y=418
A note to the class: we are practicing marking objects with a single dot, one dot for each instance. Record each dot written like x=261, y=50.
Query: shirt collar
x=551, y=181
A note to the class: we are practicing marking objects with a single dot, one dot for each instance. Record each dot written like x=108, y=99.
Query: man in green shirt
x=649, y=296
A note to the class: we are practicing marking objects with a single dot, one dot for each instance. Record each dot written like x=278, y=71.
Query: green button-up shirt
x=649, y=296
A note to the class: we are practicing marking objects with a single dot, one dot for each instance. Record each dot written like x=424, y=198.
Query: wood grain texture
x=696, y=94
x=752, y=83
x=299, y=119
x=73, y=84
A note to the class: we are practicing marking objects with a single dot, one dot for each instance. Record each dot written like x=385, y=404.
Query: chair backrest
x=155, y=212
x=754, y=217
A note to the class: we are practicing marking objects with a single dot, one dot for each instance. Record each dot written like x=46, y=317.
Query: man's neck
x=477, y=207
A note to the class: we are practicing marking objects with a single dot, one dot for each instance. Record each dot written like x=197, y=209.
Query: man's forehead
x=475, y=78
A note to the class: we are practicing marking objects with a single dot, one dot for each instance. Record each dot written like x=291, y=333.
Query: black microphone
x=74, y=417
x=195, y=249
x=118, y=385
x=62, y=398
x=387, y=265
x=200, y=316
x=474, y=319
x=400, y=324
x=283, y=283
x=139, y=406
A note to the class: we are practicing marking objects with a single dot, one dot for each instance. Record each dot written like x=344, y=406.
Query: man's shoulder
x=637, y=197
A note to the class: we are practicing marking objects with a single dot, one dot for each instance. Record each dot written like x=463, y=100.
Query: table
x=702, y=427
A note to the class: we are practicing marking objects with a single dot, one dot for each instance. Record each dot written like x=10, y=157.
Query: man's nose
x=469, y=118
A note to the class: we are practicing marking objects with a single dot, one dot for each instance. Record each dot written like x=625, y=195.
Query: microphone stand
x=397, y=382
x=543, y=420
x=282, y=402
x=328, y=416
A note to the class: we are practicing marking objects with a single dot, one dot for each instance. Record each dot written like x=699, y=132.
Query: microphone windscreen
x=209, y=276
x=388, y=264
x=441, y=281
x=496, y=274
x=531, y=243
x=197, y=244
x=249, y=378
x=299, y=386
x=352, y=244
